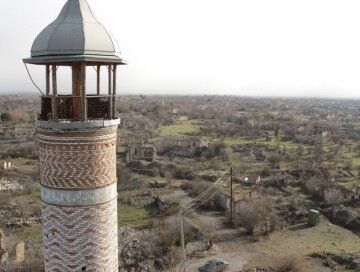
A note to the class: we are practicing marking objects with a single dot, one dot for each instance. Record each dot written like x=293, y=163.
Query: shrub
x=257, y=216
x=184, y=173
x=266, y=171
x=314, y=184
x=275, y=159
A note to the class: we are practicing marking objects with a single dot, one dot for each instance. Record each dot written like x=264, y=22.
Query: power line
x=204, y=193
x=32, y=79
x=194, y=208
x=188, y=210
x=189, y=204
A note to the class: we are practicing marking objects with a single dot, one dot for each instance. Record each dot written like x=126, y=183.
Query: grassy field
x=130, y=215
x=179, y=128
x=305, y=240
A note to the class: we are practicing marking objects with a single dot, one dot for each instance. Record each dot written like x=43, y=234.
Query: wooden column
x=47, y=79
x=83, y=93
x=110, y=93
x=54, y=99
x=76, y=91
x=98, y=79
x=114, y=92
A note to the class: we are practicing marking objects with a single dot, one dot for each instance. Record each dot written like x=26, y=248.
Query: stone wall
x=222, y=199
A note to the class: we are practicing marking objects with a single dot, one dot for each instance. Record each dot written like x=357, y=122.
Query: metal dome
x=76, y=35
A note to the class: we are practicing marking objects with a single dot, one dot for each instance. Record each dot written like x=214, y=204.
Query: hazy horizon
x=37, y=94
x=254, y=48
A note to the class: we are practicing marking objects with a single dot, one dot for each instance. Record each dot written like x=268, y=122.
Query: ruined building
x=141, y=151
x=77, y=143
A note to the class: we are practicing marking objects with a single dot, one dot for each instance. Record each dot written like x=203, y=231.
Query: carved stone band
x=85, y=197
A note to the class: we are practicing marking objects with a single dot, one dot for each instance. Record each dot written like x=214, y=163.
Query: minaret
x=77, y=143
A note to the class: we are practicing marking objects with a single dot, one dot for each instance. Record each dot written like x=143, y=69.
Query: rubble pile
x=136, y=251
x=138, y=201
x=253, y=152
x=14, y=217
x=350, y=261
x=7, y=185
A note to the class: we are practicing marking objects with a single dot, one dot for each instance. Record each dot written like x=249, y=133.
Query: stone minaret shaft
x=78, y=180
x=77, y=143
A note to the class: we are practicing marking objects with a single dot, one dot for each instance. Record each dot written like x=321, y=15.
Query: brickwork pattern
x=78, y=238
x=77, y=158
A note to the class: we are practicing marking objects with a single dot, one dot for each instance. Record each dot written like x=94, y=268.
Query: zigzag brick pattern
x=77, y=159
x=81, y=238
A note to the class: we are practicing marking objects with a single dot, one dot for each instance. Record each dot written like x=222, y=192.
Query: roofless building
x=77, y=143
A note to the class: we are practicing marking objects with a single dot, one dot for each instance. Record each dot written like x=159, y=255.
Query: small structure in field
x=313, y=217
x=6, y=165
x=20, y=252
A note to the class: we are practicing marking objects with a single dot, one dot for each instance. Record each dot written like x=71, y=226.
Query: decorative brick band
x=77, y=125
x=77, y=159
x=71, y=198
x=81, y=238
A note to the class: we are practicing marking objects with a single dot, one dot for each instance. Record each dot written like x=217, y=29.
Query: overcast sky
x=240, y=47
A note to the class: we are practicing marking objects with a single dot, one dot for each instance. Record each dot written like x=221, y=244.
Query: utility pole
x=182, y=239
x=231, y=196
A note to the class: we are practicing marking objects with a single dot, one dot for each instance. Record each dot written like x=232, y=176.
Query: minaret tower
x=77, y=143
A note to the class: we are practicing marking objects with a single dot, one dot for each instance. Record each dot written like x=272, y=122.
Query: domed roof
x=76, y=35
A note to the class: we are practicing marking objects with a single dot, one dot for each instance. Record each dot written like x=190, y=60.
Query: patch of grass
x=20, y=161
x=241, y=140
x=356, y=162
x=324, y=237
x=33, y=234
x=351, y=183
x=130, y=215
x=237, y=140
x=179, y=128
x=129, y=193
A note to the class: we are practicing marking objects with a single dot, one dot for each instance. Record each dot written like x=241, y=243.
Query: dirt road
x=228, y=246
x=298, y=241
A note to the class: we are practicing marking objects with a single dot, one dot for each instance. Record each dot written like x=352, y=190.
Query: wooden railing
x=76, y=108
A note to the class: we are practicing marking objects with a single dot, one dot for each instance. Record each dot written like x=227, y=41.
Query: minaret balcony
x=69, y=108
